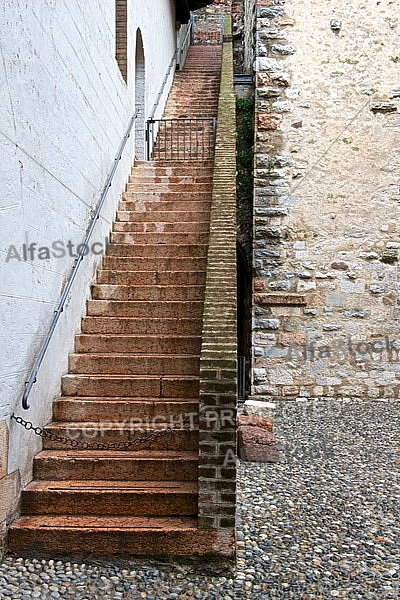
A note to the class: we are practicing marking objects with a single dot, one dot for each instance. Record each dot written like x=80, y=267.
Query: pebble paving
x=322, y=523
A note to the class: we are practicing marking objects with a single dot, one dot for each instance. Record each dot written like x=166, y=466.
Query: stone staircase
x=191, y=133
x=133, y=381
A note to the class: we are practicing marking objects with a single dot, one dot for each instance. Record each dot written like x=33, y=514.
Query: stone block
x=268, y=92
x=260, y=375
x=287, y=311
x=306, y=286
x=3, y=448
x=256, y=442
x=290, y=390
x=280, y=377
x=352, y=287
x=260, y=408
x=3, y=539
x=281, y=78
x=270, y=12
x=283, y=49
x=271, y=33
x=255, y=421
x=283, y=106
x=268, y=121
x=268, y=65
x=9, y=495
x=262, y=79
x=267, y=324
x=328, y=381
x=377, y=289
x=383, y=107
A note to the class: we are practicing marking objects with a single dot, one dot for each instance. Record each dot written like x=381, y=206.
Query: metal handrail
x=189, y=31
x=183, y=45
x=164, y=83
x=83, y=251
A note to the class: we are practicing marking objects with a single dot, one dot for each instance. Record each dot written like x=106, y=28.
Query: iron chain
x=148, y=438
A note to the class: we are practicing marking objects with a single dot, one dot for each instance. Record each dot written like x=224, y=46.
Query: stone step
x=139, y=437
x=112, y=536
x=148, y=293
x=206, y=110
x=146, y=410
x=134, y=364
x=159, y=250
x=154, y=227
x=206, y=83
x=139, y=203
x=172, y=309
x=124, y=384
x=169, y=263
x=156, y=167
x=169, y=195
x=159, y=238
x=180, y=96
x=137, y=344
x=133, y=498
x=180, y=153
x=210, y=65
x=183, y=112
x=138, y=465
x=138, y=177
x=153, y=206
x=140, y=326
x=147, y=187
x=135, y=386
x=150, y=277
x=168, y=216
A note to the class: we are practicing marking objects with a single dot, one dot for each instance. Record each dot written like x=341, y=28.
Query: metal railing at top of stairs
x=181, y=139
x=83, y=251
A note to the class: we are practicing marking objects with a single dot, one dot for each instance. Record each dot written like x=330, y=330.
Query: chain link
x=147, y=438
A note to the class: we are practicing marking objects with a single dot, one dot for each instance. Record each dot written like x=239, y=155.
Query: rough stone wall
x=248, y=35
x=326, y=200
x=218, y=363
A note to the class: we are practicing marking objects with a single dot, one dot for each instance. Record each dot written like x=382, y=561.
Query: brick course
x=121, y=36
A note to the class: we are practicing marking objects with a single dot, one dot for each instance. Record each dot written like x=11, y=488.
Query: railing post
x=149, y=134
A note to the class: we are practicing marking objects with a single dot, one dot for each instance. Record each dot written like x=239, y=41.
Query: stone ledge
x=280, y=299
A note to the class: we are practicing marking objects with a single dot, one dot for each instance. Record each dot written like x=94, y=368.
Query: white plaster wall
x=64, y=108
x=154, y=19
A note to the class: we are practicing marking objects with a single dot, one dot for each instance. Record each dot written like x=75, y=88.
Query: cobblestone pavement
x=322, y=523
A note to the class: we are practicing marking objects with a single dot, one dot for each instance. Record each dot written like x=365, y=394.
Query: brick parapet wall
x=326, y=196
x=218, y=364
x=121, y=36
